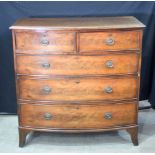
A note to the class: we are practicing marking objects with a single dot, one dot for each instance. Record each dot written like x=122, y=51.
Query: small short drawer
x=109, y=41
x=47, y=42
x=67, y=116
x=71, y=89
x=77, y=65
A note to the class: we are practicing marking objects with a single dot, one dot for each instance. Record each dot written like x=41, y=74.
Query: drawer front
x=78, y=116
x=77, y=65
x=71, y=89
x=51, y=42
x=109, y=41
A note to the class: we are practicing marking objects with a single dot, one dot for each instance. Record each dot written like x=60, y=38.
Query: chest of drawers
x=77, y=74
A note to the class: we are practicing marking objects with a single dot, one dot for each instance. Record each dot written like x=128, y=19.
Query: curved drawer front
x=52, y=42
x=72, y=89
x=77, y=116
x=78, y=65
x=100, y=41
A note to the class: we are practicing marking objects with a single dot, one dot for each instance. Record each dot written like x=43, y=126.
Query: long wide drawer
x=77, y=65
x=78, y=116
x=52, y=42
x=109, y=41
x=71, y=89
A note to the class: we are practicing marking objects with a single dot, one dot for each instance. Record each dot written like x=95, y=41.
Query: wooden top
x=78, y=23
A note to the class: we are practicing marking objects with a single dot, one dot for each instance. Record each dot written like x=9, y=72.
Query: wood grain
x=77, y=65
x=60, y=42
x=56, y=130
x=60, y=70
x=78, y=23
x=72, y=89
x=78, y=116
x=96, y=41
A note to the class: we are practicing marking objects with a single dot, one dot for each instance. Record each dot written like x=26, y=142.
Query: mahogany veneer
x=77, y=74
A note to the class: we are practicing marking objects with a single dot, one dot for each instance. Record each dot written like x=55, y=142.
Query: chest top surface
x=76, y=23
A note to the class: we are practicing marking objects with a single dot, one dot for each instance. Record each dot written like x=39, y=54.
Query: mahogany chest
x=77, y=74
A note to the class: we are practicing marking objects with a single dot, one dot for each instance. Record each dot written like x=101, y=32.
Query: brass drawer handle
x=47, y=90
x=108, y=115
x=109, y=64
x=110, y=41
x=46, y=65
x=44, y=42
x=47, y=116
x=108, y=89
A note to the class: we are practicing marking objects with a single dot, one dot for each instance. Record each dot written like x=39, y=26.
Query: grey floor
x=80, y=143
